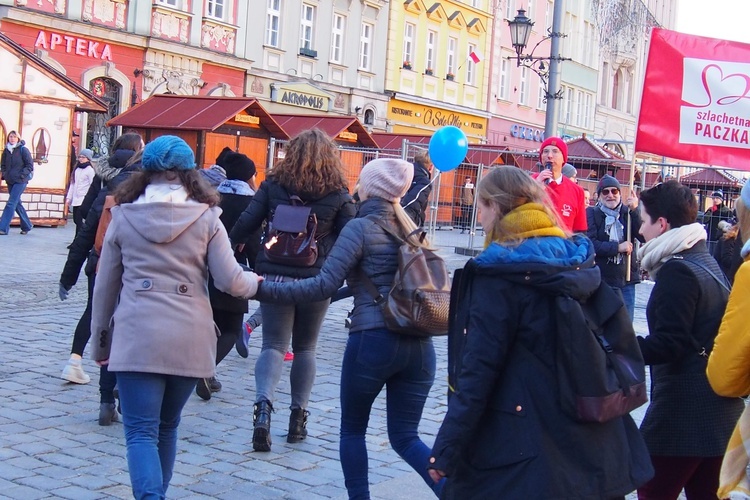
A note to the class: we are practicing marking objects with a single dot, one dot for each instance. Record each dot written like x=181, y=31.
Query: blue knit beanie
x=167, y=152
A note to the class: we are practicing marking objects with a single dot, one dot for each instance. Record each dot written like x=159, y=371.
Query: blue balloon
x=448, y=148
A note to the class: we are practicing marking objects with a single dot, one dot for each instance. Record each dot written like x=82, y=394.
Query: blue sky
x=725, y=19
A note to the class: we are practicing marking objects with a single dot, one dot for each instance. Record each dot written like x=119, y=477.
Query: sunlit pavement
x=51, y=445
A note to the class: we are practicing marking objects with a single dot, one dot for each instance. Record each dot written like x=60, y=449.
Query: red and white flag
x=475, y=56
x=696, y=100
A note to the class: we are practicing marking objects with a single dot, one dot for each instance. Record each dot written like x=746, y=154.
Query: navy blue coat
x=614, y=274
x=505, y=434
x=17, y=167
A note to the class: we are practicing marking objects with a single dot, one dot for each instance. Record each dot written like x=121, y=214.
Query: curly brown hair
x=312, y=166
x=196, y=186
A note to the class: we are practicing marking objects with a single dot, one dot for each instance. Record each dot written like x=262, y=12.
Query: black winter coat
x=505, y=434
x=614, y=274
x=82, y=247
x=17, y=167
x=232, y=205
x=711, y=219
x=333, y=211
x=362, y=247
x=685, y=418
x=417, y=197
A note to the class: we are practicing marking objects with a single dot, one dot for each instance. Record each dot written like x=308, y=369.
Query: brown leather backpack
x=290, y=237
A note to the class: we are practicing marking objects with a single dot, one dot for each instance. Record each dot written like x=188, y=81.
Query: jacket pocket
x=504, y=437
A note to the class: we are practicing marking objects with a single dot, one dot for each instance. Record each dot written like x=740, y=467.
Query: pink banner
x=696, y=100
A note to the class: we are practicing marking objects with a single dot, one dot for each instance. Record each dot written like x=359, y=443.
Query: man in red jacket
x=566, y=195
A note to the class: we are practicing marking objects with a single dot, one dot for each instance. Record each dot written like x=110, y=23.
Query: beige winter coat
x=151, y=311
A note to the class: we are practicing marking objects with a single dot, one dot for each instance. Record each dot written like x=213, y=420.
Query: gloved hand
x=62, y=292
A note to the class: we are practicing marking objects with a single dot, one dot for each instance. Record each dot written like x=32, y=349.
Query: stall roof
x=710, y=178
x=331, y=125
x=488, y=154
x=89, y=102
x=167, y=111
x=388, y=140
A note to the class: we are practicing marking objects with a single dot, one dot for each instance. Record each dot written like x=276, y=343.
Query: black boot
x=107, y=413
x=262, y=425
x=297, y=425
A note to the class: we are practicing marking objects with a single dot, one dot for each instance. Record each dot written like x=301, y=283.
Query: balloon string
x=420, y=191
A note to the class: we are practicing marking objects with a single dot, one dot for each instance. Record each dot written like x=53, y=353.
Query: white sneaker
x=73, y=372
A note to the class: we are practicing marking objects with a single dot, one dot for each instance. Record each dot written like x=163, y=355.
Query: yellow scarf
x=527, y=221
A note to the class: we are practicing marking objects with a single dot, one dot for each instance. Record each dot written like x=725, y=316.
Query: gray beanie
x=569, y=171
x=386, y=178
x=87, y=153
x=608, y=181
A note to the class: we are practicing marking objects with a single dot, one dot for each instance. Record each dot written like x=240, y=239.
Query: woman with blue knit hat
x=151, y=319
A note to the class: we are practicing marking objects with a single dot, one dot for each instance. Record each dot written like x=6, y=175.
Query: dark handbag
x=419, y=300
x=600, y=369
x=290, y=239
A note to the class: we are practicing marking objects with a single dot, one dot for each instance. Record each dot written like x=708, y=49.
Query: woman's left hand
x=436, y=475
x=103, y=362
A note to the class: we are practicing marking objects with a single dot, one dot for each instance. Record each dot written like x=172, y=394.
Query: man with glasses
x=608, y=229
x=566, y=195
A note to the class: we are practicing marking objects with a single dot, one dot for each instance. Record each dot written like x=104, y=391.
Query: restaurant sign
x=434, y=118
x=301, y=95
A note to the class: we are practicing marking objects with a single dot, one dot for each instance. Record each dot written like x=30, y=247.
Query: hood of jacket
x=161, y=222
x=558, y=266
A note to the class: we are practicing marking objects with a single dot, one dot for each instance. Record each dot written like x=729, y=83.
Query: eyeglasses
x=608, y=191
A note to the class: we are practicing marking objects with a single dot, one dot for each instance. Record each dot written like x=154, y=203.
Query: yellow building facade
x=432, y=73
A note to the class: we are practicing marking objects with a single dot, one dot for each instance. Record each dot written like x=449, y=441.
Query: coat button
x=432, y=460
x=519, y=408
x=183, y=288
x=146, y=284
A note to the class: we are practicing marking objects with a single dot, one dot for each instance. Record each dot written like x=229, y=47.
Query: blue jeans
x=151, y=407
x=406, y=367
x=281, y=322
x=628, y=296
x=14, y=206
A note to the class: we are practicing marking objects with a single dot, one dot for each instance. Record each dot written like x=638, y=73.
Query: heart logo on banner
x=724, y=90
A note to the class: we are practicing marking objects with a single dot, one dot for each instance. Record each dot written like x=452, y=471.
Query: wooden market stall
x=39, y=103
x=207, y=124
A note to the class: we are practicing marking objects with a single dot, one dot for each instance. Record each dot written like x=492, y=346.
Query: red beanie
x=557, y=142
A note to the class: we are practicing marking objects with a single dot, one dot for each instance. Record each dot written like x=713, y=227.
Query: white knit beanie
x=386, y=178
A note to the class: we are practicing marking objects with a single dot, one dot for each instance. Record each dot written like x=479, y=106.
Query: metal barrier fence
x=453, y=204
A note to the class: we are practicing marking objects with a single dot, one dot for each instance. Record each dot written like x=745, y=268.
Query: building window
x=369, y=117
x=452, y=43
x=409, y=30
x=273, y=17
x=510, y=9
x=589, y=45
x=548, y=14
x=530, y=10
x=306, y=26
x=337, y=38
x=365, y=46
x=171, y=3
x=587, y=111
x=215, y=9
x=579, y=108
x=616, y=89
x=470, y=67
x=569, y=105
x=475, y=3
x=431, y=44
x=523, y=90
x=604, y=89
x=504, y=90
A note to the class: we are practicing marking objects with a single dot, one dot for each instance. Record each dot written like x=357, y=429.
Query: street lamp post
x=520, y=29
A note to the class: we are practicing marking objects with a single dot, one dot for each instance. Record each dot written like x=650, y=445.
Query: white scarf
x=613, y=227
x=656, y=252
x=10, y=147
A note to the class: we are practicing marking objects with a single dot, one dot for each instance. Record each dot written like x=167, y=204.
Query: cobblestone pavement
x=52, y=447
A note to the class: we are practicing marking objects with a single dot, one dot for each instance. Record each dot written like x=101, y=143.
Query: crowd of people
x=174, y=253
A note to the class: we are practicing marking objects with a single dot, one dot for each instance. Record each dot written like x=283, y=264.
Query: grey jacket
x=362, y=247
x=151, y=311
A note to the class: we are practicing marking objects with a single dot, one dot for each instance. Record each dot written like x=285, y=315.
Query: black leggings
x=107, y=379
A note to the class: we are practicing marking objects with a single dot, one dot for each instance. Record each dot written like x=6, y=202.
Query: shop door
x=100, y=137
x=214, y=144
x=257, y=150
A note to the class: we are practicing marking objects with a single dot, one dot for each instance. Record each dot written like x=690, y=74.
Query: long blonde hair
x=507, y=188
